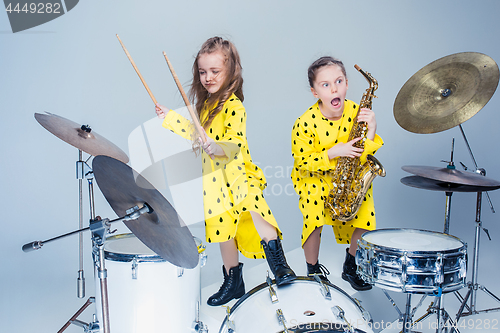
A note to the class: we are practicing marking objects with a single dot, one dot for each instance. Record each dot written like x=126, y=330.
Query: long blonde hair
x=233, y=82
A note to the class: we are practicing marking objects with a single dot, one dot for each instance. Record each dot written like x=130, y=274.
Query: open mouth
x=335, y=102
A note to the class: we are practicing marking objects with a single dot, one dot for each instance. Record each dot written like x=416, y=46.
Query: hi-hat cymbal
x=163, y=231
x=81, y=137
x=446, y=92
x=436, y=185
x=453, y=176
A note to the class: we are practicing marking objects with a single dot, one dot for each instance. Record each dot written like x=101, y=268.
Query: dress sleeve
x=371, y=147
x=306, y=155
x=234, y=137
x=178, y=124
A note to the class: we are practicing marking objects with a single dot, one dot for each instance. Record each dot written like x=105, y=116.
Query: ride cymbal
x=163, y=231
x=436, y=185
x=446, y=92
x=451, y=176
x=81, y=137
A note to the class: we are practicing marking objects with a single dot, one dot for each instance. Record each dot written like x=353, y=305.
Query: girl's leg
x=275, y=255
x=311, y=246
x=229, y=254
x=233, y=285
x=266, y=231
x=356, y=235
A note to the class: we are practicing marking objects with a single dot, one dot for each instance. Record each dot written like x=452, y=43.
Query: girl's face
x=212, y=71
x=330, y=86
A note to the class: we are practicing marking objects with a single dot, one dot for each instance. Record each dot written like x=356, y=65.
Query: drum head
x=412, y=240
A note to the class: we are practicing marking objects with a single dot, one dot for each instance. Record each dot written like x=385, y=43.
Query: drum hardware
x=91, y=327
x=302, y=308
x=325, y=291
x=229, y=323
x=92, y=143
x=282, y=320
x=413, y=262
x=340, y=314
x=272, y=292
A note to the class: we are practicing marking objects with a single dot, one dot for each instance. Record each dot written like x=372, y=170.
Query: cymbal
x=436, y=185
x=81, y=137
x=446, y=92
x=453, y=176
x=163, y=230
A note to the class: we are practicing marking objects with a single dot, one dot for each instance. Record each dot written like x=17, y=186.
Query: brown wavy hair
x=233, y=82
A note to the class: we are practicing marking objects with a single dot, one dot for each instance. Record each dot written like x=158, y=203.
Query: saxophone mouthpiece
x=357, y=67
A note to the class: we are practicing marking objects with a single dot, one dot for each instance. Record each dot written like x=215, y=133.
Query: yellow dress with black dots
x=232, y=185
x=312, y=136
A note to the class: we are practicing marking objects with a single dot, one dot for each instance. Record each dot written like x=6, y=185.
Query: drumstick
x=137, y=70
x=186, y=101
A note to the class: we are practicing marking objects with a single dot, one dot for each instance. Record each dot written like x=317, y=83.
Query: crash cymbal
x=452, y=176
x=163, y=231
x=80, y=136
x=436, y=185
x=446, y=92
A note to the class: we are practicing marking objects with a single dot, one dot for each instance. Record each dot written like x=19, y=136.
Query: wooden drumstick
x=137, y=70
x=196, y=122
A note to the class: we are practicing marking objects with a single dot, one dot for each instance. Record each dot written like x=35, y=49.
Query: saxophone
x=351, y=180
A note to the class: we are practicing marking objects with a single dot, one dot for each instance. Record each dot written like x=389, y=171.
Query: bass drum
x=145, y=292
x=412, y=261
x=301, y=306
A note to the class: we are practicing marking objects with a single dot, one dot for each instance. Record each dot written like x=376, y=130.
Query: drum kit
x=149, y=279
x=441, y=95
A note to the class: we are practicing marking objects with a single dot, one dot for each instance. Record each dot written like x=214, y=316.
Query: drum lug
x=229, y=323
x=135, y=267
x=366, y=315
x=325, y=291
x=404, y=264
x=180, y=272
x=340, y=314
x=272, y=292
x=439, y=279
x=282, y=320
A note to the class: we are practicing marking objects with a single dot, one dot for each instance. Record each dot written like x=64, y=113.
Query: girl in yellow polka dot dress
x=236, y=213
x=319, y=137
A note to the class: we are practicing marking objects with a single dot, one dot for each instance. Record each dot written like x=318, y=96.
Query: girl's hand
x=368, y=116
x=210, y=146
x=161, y=111
x=345, y=149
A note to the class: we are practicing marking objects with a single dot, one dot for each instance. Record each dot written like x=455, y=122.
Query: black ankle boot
x=277, y=262
x=318, y=269
x=232, y=287
x=350, y=274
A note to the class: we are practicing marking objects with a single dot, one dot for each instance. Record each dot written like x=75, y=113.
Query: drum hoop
x=422, y=252
x=299, y=278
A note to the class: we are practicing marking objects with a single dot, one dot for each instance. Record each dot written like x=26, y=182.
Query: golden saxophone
x=351, y=180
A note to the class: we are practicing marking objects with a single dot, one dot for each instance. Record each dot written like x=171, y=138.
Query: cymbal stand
x=99, y=228
x=83, y=171
x=473, y=286
x=451, y=165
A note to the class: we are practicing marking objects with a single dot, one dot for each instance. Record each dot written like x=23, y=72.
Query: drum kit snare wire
x=440, y=96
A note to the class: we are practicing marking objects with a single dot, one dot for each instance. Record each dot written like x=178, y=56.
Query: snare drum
x=302, y=306
x=412, y=261
x=145, y=292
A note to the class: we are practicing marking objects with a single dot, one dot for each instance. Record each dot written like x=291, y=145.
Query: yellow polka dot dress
x=232, y=185
x=312, y=136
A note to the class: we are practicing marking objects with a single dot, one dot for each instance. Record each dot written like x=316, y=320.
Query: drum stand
x=444, y=321
x=474, y=286
x=99, y=228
